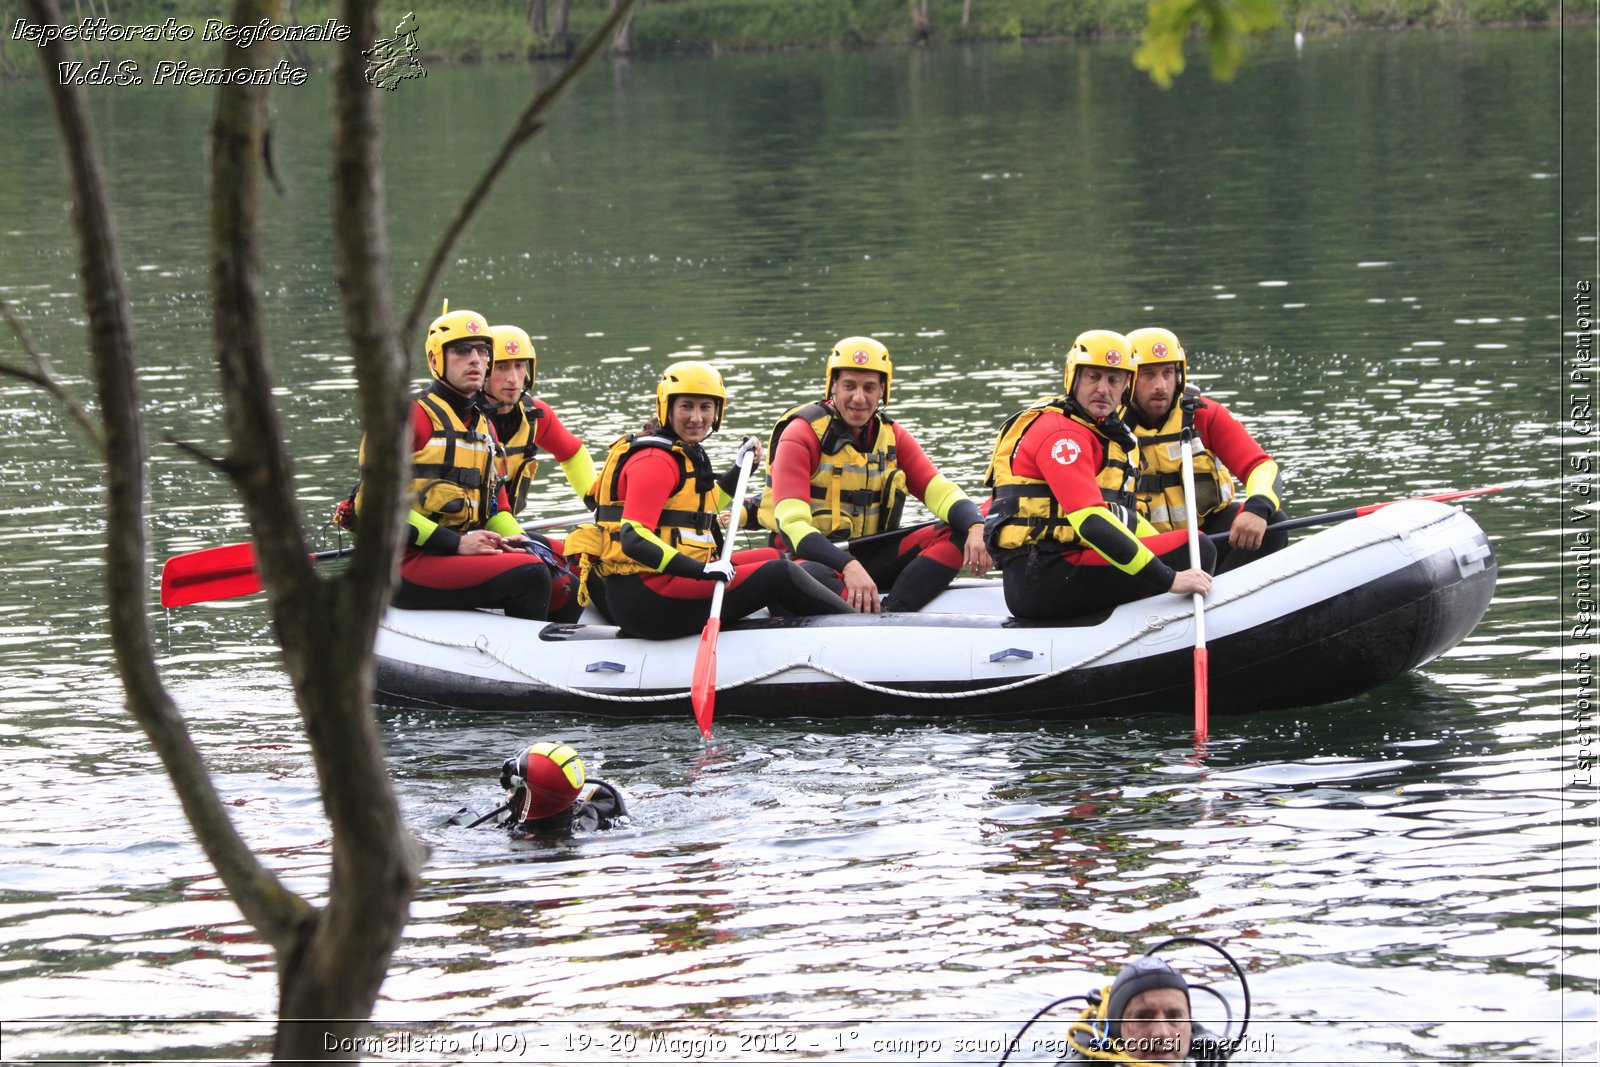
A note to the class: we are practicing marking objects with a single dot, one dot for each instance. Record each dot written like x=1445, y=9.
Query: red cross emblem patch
x=1159, y=350
x=860, y=358
x=474, y=327
x=1113, y=357
x=512, y=348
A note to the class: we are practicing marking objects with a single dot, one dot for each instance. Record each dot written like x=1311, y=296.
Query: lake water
x=1368, y=249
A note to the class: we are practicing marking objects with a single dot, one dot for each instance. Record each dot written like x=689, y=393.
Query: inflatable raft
x=1330, y=616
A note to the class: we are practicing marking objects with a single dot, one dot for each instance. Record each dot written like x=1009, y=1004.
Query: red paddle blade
x=219, y=573
x=1370, y=508
x=703, y=687
x=1202, y=693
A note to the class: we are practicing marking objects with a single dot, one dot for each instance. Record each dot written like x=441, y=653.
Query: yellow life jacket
x=453, y=475
x=1161, y=471
x=853, y=493
x=688, y=520
x=518, y=454
x=1025, y=511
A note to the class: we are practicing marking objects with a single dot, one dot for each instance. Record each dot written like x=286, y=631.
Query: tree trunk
x=331, y=961
x=623, y=44
x=966, y=13
x=921, y=27
x=560, y=39
x=6, y=67
x=267, y=905
x=340, y=962
x=537, y=21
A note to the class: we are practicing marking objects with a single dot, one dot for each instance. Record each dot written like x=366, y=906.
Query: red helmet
x=545, y=780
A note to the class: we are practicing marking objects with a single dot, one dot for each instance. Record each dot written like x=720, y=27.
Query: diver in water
x=549, y=796
x=1144, y=1018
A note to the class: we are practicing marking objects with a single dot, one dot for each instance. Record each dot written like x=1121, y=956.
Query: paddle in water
x=703, y=684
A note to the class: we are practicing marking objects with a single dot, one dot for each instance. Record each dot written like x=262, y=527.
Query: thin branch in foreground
x=217, y=463
x=42, y=376
x=527, y=124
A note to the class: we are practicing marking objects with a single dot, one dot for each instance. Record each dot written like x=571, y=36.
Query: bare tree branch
x=376, y=862
x=45, y=379
x=265, y=902
x=527, y=124
x=361, y=250
x=216, y=463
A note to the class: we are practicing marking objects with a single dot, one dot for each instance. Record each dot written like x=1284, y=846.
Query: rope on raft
x=1152, y=624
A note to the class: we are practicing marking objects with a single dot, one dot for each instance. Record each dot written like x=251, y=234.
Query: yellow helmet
x=1153, y=345
x=453, y=326
x=858, y=353
x=512, y=343
x=690, y=378
x=1098, y=348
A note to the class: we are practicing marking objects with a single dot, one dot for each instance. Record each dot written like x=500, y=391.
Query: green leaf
x=1227, y=25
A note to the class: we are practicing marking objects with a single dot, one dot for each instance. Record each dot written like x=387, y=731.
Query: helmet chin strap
x=1111, y=426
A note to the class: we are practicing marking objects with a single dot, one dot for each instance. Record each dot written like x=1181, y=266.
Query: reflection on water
x=1337, y=239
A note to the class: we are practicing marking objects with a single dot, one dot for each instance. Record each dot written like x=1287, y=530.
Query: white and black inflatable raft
x=1331, y=616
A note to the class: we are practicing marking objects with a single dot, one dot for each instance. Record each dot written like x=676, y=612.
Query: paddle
x=229, y=571
x=703, y=684
x=886, y=535
x=1365, y=509
x=1202, y=666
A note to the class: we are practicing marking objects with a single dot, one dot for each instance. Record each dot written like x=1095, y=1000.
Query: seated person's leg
x=510, y=581
x=657, y=606
x=936, y=562
x=1036, y=584
x=764, y=580
x=1084, y=583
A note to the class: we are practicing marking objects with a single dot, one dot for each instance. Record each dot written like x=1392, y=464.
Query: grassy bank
x=499, y=29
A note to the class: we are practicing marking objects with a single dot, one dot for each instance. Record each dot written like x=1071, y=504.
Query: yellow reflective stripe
x=863, y=469
x=1160, y=513
x=1263, y=481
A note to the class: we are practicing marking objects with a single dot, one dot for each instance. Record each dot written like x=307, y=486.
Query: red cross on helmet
x=1153, y=345
x=452, y=326
x=858, y=353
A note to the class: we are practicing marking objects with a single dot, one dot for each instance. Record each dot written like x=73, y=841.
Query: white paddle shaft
x=1194, y=538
